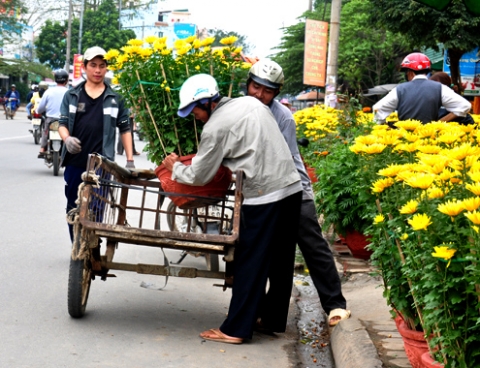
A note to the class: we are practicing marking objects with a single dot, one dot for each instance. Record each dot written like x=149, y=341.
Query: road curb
x=352, y=346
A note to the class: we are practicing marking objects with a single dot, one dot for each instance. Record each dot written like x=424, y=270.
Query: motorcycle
x=38, y=125
x=54, y=147
x=10, y=108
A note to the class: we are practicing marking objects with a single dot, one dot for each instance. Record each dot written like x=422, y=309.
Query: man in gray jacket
x=242, y=134
x=264, y=83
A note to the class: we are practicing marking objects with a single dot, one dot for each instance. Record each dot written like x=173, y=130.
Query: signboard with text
x=469, y=71
x=315, y=57
x=77, y=65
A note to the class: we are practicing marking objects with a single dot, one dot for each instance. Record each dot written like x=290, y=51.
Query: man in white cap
x=88, y=116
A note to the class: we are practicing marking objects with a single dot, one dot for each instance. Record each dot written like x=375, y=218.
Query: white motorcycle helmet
x=267, y=73
x=197, y=90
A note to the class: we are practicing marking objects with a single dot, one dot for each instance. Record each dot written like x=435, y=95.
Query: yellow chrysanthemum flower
x=115, y=80
x=409, y=124
x=422, y=181
x=429, y=148
x=166, y=52
x=197, y=44
x=444, y=252
x=409, y=208
x=391, y=170
x=208, y=41
x=167, y=89
x=366, y=139
x=159, y=45
x=111, y=54
x=357, y=148
x=474, y=217
x=228, y=40
x=378, y=219
x=404, y=236
x=475, y=176
x=380, y=185
x=179, y=44
x=420, y=221
x=476, y=228
x=190, y=39
x=474, y=188
x=451, y=208
x=435, y=192
x=471, y=204
x=135, y=42
x=466, y=149
x=374, y=148
x=238, y=50
x=151, y=39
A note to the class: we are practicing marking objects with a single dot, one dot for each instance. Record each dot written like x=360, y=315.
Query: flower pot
x=357, y=242
x=414, y=343
x=311, y=173
x=211, y=193
x=429, y=362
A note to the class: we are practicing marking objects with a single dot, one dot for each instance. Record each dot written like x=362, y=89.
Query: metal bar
x=150, y=269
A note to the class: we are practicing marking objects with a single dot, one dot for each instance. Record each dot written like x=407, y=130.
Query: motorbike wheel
x=176, y=223
x=56, y=163
x=79, y=281
x=36, y=136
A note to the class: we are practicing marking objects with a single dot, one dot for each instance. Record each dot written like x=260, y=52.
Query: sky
x=259, y=20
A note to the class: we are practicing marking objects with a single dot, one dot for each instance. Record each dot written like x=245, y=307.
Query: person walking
x=242, y=134
x=265, y=80
x=420, y=98
x=89, y=116
x=50, y=105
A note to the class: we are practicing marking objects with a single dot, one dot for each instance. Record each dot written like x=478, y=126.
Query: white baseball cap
x=93, y=52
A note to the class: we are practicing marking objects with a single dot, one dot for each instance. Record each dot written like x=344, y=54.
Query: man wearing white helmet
x=242, y=134
x=264, y=82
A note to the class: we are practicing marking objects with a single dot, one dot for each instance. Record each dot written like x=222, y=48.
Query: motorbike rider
x=265, y=81
x=15, y=96
x=37, y=96
x=50, y=104
x=34, y=88
x=420, y=98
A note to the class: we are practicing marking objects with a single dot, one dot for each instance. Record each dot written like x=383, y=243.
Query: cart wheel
x=213, y=263
x=179, y=223
x=79, y=281
x=56, y=163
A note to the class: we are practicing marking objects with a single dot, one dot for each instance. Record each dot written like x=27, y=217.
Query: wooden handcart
x=116, y=205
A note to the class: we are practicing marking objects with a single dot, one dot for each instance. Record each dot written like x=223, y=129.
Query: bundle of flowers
x=149, y=76
x=425, y=236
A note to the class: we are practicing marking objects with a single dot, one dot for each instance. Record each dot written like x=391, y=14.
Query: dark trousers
x=73, y=178
x=319, y=259
x=266, y=250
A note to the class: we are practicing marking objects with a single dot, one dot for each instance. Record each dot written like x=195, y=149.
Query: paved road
x=126, y=325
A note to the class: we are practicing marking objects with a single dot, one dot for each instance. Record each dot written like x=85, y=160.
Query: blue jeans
x=29, y=109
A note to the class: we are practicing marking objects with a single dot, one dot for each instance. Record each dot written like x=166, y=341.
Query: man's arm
x=454, y=104
x=383, y=108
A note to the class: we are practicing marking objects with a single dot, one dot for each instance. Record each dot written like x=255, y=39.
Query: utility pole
x=80, y=31
x=332, y=63
x=69, y=37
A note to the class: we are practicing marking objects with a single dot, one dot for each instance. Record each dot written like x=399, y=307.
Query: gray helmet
x=61, y=76
x=268, y=73
x=13, y=86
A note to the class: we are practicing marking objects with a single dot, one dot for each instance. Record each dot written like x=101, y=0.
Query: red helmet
x=416, y=61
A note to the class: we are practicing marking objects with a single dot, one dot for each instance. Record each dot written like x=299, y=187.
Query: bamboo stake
x=150, y=112
x=171, y=106
x=231, y=83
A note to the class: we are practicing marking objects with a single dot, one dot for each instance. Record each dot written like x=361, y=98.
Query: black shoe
x=41, y=154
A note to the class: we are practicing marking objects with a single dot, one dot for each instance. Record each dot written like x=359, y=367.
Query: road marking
x=19, y=137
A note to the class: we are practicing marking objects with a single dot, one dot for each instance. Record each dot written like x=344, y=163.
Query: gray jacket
x=115, y=114
x=242, y=134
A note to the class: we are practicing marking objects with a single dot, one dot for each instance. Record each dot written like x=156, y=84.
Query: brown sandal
x=214, y=334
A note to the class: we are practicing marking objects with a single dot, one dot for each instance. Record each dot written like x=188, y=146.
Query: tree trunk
x=454, y=55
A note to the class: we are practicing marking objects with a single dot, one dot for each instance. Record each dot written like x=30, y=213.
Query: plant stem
x=150, y=112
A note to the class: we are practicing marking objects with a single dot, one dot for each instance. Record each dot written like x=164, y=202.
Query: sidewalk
x=369, y=338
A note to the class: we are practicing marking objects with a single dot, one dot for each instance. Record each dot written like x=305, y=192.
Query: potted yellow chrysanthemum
x=425, y=234
x=149, y=76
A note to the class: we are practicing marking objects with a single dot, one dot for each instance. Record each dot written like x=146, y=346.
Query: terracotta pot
x=429, y=362
x=414, y=343
x=311, y=173
x=213, y=192
x=357, y=242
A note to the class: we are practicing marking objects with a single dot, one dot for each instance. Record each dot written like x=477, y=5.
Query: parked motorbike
x=38, y=125
x=54, y=147
x=10, y=108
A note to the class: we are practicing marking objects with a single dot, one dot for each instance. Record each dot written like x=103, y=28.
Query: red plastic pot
x=311, y=173
x=414, y=343
x=429, y=362
x=357, y=242
x=215, y=190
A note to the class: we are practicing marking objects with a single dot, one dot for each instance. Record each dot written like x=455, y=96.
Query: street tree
x=368, y=54
x=100, y=29
x=422, y=26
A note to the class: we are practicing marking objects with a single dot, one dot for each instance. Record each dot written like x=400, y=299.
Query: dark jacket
x=115, y=115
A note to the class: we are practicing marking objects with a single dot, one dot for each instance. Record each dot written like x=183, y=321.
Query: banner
x=469, y=71
x=184, y=30
x=315, y=57
x=77, y=65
